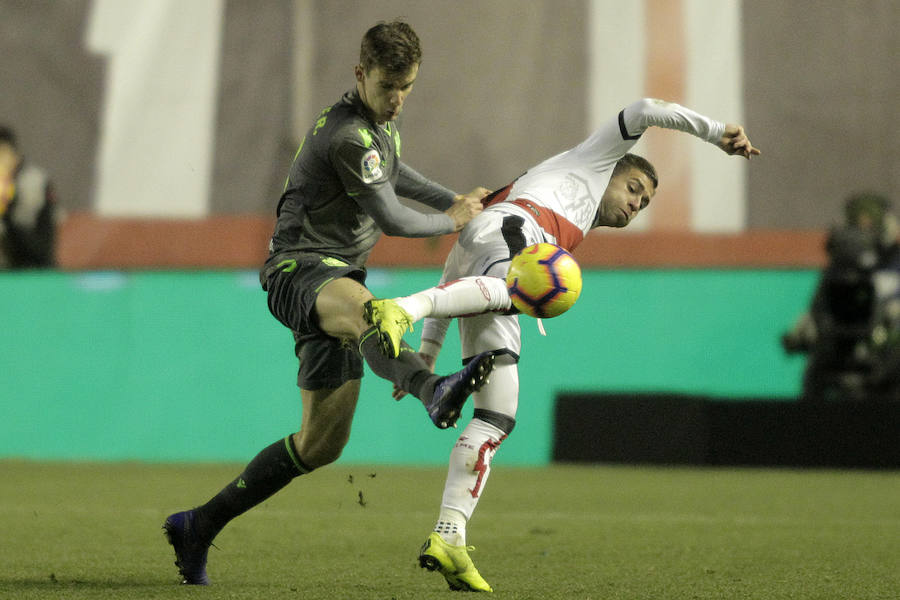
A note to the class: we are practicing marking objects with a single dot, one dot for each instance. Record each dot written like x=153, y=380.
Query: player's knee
x=347, y=326
x=503, y=422
x=321, y=455
x=341, y=317
x=321, y=450
x=499, y=397
x=326, y=456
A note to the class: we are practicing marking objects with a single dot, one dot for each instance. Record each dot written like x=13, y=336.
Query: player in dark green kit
x=340, y=195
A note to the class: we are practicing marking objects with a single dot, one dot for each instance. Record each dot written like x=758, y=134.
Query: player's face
x=627, y=194
x=384, y=95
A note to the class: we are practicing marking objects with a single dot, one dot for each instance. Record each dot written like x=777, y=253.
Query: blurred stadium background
x=168, y=128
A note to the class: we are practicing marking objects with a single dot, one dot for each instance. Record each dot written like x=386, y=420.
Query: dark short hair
x=634, y=161
x=8, y=136
x=394, y=47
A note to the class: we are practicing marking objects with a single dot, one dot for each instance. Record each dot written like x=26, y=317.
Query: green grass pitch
x=71, y=530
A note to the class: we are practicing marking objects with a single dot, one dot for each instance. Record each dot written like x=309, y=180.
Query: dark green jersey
x=340, y=193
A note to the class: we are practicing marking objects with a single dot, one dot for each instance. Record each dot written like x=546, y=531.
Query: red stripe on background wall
x=239, y=242
x=665, y=79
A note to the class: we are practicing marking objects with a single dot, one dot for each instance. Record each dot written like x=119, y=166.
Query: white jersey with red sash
x=562, y=194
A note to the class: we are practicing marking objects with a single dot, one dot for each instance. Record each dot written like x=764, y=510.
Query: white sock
x=419, y=305
x=451, y=526
x=470, y=465
x=457, y=298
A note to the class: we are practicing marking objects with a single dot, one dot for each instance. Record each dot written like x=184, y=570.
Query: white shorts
x=483, y=248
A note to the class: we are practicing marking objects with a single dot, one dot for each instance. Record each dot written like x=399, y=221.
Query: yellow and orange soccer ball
x=543, y=281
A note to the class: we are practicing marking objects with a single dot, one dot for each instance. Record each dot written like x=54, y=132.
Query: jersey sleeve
x=638, y=116
x=396, y=219
x=615, y=138
x=360, y=168
x=366, y=180
x=434, y=330
x=412, y=184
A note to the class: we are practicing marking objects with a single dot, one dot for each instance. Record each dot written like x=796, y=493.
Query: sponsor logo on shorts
x=484, y=290
x=333, y=262
x=371, y=166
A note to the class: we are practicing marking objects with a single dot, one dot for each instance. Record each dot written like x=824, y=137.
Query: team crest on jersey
x=371, y=166
x=575, y=194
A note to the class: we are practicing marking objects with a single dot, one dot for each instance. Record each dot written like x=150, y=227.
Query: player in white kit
x=597, y=183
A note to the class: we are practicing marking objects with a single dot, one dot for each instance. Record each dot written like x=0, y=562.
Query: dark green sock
x=408, y=370
x=269, y=471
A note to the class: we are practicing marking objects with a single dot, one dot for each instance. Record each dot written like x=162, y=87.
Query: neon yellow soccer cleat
x=453, y=563
x=391, y=321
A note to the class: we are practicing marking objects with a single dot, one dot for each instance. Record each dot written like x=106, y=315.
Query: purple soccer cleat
x=190, y=549
x=451, y=392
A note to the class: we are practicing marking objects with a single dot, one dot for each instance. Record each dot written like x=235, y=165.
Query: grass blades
x=71, y=530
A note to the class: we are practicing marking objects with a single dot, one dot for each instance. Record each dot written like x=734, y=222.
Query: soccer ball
x=543, y=281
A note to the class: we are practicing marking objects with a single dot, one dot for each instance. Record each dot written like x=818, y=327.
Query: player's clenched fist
x=466, y=206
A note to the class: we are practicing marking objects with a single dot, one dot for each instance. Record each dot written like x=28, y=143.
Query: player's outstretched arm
x=735, y=141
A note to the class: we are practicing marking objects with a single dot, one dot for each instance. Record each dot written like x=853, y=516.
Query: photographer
x=28, y=212
x=852, y=331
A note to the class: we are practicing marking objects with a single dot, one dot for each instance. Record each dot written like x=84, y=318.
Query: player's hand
x=398, y=393
x=466, y=206
x=735, y=141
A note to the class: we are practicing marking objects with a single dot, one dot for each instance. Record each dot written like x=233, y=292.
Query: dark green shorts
x=293, y=281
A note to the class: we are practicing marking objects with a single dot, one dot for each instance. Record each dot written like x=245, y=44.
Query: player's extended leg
x=470, y=459
x=325, y=430
x=473, y=282
x=457, y=298
x=445, y=550
x=340, y=310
